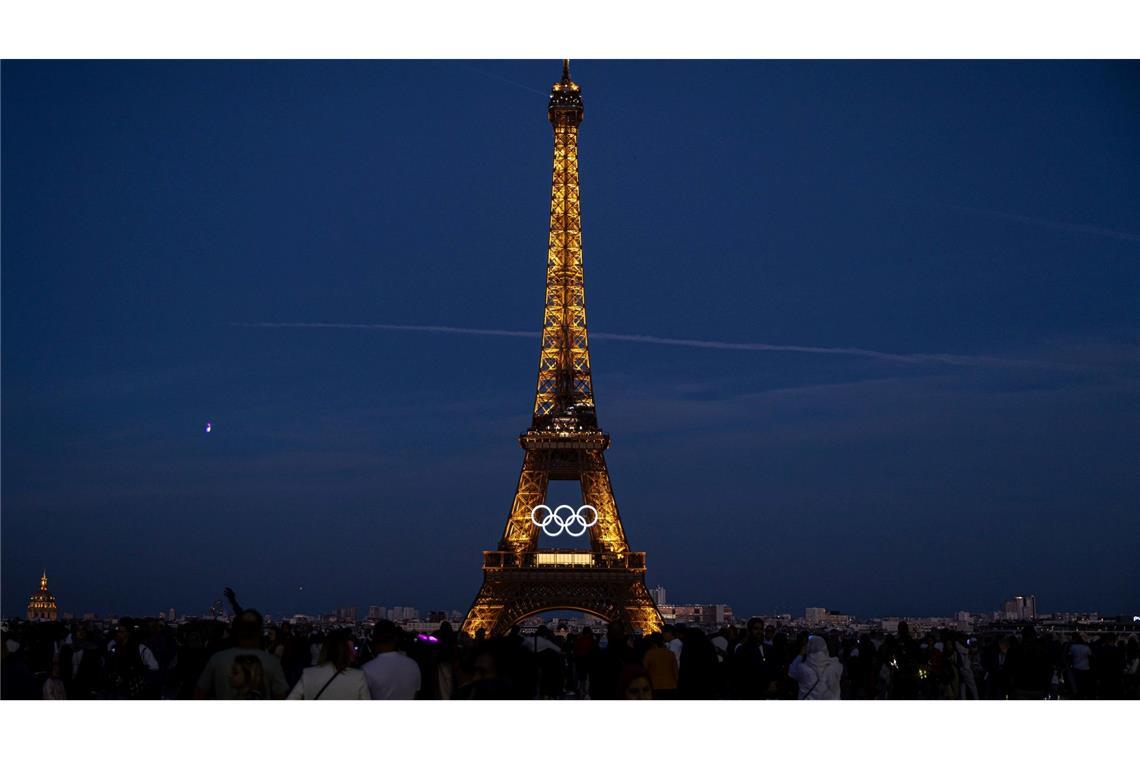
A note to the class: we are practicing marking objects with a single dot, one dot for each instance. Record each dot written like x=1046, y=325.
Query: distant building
x=437, y=616
x=377, y=613
x=170, y=615
x=41, y=605
x=1019, y=608
x=346, y=615
x=657, y=594
x=823, y=617
x=697, y=614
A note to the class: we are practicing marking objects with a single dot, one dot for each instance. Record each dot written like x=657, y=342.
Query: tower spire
x=565, y=395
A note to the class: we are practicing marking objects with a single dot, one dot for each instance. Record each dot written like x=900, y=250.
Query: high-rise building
x=657, y=594
x=377, y=613
x=815, y=615
x=1019, y=608
x=41, y=605
x=346, y=615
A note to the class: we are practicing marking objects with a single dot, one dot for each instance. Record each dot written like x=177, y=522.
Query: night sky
x=975, y=226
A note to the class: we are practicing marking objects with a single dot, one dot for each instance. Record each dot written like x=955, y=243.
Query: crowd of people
x=247, y=659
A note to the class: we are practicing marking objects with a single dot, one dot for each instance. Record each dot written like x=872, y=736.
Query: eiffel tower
x=563, y=442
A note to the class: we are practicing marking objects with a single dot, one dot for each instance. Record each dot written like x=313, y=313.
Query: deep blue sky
x=982, y=209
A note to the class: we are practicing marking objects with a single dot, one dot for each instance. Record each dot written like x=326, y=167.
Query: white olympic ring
x=564, y=518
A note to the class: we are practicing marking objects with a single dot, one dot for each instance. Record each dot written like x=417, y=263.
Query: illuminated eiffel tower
x=564, y=442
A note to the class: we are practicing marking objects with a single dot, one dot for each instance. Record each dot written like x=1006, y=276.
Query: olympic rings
x=564, y=518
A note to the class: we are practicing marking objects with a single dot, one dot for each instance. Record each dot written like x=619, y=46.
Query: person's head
x=122, y=633
x=635, y=684
x=769, y=632
x=385, y=636
x=669, y=632
x=247, y=629
x=904, y=630
x=337, y=649
x=816, y=645
x=656, y=640
x=756, y=629
x=485, y=667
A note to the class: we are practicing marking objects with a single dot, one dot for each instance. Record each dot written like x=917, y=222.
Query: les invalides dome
x=41, y=605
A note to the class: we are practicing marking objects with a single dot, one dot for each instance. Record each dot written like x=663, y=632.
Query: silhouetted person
x=661, y=667
x=1031, y=668
x=391, y=674
x=130, y=665
x=218, y=677
x=1108, y=667
x=16, y=679
x=485, y=681
x=751, y=671
x=81, y=663
x=697, y=675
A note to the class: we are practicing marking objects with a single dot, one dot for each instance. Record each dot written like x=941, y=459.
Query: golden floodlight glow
x=564, y=441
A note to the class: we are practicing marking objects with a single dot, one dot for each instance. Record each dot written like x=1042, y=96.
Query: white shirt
x=675, y=646
x=348, y=684
x=392, y=675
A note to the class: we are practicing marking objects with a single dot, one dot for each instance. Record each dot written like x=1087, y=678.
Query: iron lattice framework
x=564, y=441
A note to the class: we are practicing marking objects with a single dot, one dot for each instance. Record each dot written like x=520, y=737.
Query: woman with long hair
x=333, y=677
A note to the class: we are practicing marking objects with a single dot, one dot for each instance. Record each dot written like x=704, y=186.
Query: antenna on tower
x=565, y=69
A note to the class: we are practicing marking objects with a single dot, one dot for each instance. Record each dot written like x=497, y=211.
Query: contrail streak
x=504, y=79
x=955, y=359
x=1048, y=223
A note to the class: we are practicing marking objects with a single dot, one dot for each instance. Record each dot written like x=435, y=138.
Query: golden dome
x=41, y=605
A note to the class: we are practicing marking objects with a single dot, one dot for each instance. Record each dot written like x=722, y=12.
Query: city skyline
x=871, y=333
x=1015, y=607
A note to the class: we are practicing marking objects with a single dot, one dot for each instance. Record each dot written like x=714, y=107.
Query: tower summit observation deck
x=563, y=442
